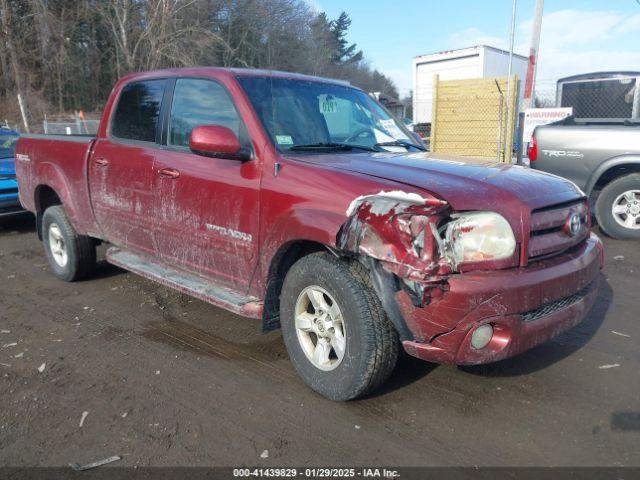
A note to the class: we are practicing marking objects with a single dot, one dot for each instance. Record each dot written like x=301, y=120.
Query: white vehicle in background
x=480, y=61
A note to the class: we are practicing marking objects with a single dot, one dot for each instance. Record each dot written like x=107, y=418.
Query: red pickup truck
x=302, y=202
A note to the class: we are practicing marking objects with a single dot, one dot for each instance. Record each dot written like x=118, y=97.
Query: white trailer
x=473, y=62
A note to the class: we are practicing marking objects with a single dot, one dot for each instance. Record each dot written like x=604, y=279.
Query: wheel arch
x=281, y=262
x=44, y=196
x=610, y=170
x=56, y=187
x=345, y=236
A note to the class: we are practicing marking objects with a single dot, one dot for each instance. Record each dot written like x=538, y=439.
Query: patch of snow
x=82, y=418
x=606, y=367
x=382, y=202
x=620, y=334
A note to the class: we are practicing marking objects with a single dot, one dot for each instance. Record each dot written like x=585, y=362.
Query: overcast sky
x=578, y=36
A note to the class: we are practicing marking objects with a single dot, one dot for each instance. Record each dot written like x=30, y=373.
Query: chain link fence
x=592, y=98
x=76, y=125
x=609, y=98
x=476, y=125
x=474, y=117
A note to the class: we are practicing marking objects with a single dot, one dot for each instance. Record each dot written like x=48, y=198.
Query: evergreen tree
x=345, y=53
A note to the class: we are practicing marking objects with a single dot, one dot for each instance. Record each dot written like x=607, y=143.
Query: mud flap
x=386, y=285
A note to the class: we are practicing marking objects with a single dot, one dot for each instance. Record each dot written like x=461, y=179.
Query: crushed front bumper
x=525, y=307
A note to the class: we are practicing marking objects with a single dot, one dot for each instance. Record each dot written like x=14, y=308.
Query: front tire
x=338, y=336
x=618, y=208
x=71, y=256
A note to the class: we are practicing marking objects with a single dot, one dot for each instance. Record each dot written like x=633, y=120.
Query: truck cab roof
x=244, y=72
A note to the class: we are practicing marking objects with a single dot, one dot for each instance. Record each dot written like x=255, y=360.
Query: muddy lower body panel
x=524, y=307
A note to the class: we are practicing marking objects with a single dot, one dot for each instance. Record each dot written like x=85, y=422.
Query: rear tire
x=618, y=208
x=367, y=352
x=71, y=256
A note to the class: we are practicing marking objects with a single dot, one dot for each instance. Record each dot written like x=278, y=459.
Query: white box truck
x=472, y=62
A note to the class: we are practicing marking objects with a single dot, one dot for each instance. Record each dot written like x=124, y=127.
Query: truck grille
x=551, y=232
x=556, y=306
x=6, y=191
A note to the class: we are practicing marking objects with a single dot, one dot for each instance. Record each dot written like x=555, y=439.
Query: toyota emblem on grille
x=574, y=224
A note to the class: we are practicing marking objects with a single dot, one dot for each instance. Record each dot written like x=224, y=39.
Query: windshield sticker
x=390, y=126
x=284, y=140
x=328, y=104
x=382, y=136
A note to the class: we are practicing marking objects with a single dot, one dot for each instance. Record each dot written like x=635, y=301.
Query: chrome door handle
x=169, y=172
x=101, y=162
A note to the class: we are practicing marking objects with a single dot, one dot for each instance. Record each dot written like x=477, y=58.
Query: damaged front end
x=395, y=228
x=396, y=235
x=452, y=283
x=412, y=245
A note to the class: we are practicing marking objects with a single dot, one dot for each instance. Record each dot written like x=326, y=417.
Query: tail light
x=532, y=150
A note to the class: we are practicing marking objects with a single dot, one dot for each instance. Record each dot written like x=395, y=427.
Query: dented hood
x=466, y=184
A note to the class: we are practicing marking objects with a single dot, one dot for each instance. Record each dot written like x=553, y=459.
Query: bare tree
x=66, y=54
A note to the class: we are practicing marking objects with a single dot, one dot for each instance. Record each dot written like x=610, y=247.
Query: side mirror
x=215, y=141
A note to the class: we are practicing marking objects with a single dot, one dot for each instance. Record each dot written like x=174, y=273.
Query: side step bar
x=185, y=282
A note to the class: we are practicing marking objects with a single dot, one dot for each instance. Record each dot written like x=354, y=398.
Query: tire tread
x=603, y=207
x=84, y=249
x=381, y=339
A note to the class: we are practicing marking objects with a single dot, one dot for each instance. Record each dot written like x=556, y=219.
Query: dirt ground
x=169, y=380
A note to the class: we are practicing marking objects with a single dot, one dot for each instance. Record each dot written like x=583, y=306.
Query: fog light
x=481, y=336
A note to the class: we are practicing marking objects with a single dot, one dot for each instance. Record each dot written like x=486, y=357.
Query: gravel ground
x=168, y=380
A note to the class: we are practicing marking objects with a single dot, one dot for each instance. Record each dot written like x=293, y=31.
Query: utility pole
x=507, y=148
x=23, y=112
x=533, y=56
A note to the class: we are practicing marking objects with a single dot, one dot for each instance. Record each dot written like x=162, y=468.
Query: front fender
x=299, y=224
x=388, y=231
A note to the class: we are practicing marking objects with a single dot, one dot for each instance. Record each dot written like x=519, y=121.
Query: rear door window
x=138, y=111
x=200, y=102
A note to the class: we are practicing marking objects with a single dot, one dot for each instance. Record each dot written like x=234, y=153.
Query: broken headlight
x=477, y=237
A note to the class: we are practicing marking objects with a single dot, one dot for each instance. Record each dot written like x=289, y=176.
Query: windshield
x=7, y=142
x=301, y=115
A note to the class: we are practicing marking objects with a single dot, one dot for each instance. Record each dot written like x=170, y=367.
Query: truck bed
x=60, y=162
x=575, y=151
